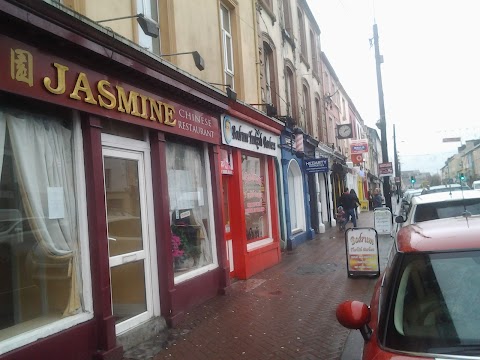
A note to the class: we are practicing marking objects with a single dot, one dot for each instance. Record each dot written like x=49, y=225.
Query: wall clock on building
x=344, y=131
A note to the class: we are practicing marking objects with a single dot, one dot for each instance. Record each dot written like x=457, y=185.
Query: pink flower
x=176, y=252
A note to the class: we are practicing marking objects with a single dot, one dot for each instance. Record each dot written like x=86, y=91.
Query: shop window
x=255, y=197
x=295, y=198
x=41, y=252
x=190, y=207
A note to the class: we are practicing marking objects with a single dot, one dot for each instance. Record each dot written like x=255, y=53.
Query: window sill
x=268, y=10
x=286, y=36
x=194, y=273
x=304, y=60
x=258, y=244
x=316, y=76
x=297, y=231
x=30, y=331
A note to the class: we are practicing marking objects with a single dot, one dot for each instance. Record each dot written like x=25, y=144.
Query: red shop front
x=249, y=192
x=110, y=193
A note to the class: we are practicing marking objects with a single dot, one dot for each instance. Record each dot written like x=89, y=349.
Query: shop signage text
x=362, y=252
x=242, y=135
x=385, y=169
x=26, y=71
x=359, y=147
x=319, y=165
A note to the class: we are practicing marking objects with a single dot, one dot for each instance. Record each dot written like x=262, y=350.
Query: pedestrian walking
x=348, y=203
x=377, y=199
x=341, y=219
x=357, y=202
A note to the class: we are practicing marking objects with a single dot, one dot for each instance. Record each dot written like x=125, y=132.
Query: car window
x=446, y=209
x=387, y=279
x=435, y=306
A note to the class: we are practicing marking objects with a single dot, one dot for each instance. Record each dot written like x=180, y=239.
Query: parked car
x=445, y=188
x=476, y=185
x=407, y=199
x=425, y=304
x=440, y=205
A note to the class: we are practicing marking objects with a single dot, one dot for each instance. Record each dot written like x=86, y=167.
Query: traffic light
x=412, y=179
x=462, y=177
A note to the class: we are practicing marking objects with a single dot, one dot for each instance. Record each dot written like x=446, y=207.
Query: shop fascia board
x=60, y=21
x=248, y=113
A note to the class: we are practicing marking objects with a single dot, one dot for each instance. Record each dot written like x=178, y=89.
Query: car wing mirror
x=355, y=315
x=399, y=219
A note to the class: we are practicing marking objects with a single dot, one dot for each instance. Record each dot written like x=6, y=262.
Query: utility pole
x=382, y=124
x=397, y=166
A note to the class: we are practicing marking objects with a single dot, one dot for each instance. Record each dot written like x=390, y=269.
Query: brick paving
x=285, y=312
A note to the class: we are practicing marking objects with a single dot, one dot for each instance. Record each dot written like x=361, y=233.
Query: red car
x=426, y=304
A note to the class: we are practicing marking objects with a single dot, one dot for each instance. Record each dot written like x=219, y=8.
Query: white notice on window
x=56, y=203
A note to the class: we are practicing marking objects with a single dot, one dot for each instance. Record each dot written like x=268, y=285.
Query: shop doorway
x=226, y=190
x=313, y=202
x=127, y=178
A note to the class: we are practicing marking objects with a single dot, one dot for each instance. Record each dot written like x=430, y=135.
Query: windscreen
x=446, y=209
x=435, y=306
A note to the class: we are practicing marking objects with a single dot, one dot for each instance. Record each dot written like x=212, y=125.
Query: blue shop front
x=298, y=215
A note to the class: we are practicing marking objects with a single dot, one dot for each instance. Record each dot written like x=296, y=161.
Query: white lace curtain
x=42, y=152
x=187, y=189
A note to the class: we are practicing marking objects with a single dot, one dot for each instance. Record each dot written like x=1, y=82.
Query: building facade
x=117, y=213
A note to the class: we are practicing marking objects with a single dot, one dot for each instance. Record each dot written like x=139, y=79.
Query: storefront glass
x=295, y=198
x=40, y=257
x=255, y=197
x=189, y=207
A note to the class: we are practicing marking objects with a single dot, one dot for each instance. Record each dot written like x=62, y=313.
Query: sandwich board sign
x=362, y=252
x=382, y=220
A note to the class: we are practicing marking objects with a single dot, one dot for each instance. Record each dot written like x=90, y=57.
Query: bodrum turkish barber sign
x=242, y=135
x=362, y=252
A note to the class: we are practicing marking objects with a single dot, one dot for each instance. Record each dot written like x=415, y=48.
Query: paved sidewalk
x=285, y=312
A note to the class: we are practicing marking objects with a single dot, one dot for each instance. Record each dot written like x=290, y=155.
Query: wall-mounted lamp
x=149, y=27
x=271, y=110
x=199, y=63
x=289, y=121
x=231, y=94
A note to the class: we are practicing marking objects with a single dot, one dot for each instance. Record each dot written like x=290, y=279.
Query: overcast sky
x=431, y=76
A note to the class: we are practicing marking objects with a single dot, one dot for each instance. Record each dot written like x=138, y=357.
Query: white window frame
x=83, y=243
x=211, y=224
x=298, y=207
x=112, y=142
x=227, y=44
x=268, y=240
x=145, y=41
x=268, y=80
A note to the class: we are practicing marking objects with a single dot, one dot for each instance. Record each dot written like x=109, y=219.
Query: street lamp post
x=398, y=176
x=382, y=124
